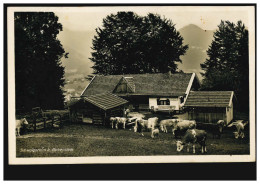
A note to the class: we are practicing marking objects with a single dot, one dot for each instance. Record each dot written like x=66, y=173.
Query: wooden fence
x=49, y=119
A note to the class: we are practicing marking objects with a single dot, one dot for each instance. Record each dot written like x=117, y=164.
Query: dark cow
x=140, y=125
x=215, y=129
x=193, y=136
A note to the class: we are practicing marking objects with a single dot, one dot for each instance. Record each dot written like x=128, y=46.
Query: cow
x=137, y=124
x=20, y=124
x=155, y=133
x=215, y=129
x=131, y=121
x=240, y=126
x=164, y=124
x=120, y=121
x=140, y=125
x=113, y=121
x=152, y=123
x=193, y=136
x=182, y=126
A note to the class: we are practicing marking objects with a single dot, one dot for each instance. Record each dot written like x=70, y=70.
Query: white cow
x=240, y=126
x=120, y=121
x=113, y=121
x=20, y=124
x=152, y=123
x=182, y=126
x=164, y=124
x=141, y=125
x=155, y=132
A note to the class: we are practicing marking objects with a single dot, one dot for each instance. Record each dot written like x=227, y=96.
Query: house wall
x=207, y=117
x=173, y=102
x=229, y=112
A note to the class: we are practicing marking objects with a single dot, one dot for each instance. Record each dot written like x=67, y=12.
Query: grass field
x=75, y=140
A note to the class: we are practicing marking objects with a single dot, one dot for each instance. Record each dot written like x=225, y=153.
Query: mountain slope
x=78, y=44
x=198, y=41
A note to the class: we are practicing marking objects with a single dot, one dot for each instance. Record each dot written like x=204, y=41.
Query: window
x=163, y=102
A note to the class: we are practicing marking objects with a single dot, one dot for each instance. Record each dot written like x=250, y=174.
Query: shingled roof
x=209, y=99
x=106, y=101
x=158, y=84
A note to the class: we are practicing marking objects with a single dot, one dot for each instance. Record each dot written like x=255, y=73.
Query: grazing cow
x=215, y=129
x=193, y=136
x=152, y=123
x=20, y=123
x=113, y=121
x=182, y=126
x=240, y=126
x=140, y=125
x=120, y=121
x=164, y=124
x=155, y=133
x=137, y=124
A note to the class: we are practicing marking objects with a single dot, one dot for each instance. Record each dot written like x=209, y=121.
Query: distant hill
x=78, y=65
x=78, y=44
x=195, y=36
x=198, y=41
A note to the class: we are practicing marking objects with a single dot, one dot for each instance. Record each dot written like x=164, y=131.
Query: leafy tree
x=39, y=75
x=128, y=43
x=227, y=65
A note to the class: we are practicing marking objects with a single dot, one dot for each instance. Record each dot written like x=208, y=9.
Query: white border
x=121, y=159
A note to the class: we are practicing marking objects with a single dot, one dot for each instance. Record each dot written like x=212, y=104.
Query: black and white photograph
x=131, y=84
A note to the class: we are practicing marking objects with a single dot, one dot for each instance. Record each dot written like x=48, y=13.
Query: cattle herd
x=188, y=131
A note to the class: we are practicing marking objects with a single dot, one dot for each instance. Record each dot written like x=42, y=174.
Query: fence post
x=34, y=124
x=60, y=120
x=44, y=122
x=52, y=121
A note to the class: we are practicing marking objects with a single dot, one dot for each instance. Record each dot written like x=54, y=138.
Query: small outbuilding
x=210, y=106
x=98, y=108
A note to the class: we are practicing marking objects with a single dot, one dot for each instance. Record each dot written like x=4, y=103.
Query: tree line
x=126, y=43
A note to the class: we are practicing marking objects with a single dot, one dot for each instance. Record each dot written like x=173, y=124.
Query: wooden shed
x=98, y=108
x=210, y=106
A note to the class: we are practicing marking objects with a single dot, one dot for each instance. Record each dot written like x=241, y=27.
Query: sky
x=89, y=18
x=79, y=25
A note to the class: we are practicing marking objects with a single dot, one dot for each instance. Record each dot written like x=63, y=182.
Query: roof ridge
x=154, y=83
x=127, y=75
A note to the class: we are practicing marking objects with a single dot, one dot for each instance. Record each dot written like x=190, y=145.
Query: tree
x=128, y=43
x=39, y=75
x=227, y=65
